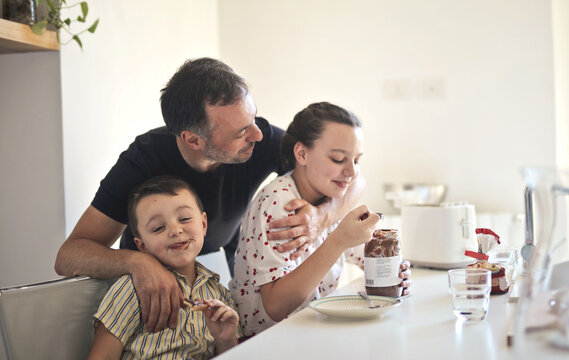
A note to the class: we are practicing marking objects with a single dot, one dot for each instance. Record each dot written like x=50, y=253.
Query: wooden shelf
x=18, y=38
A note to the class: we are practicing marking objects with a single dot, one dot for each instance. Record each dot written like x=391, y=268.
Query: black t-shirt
x=225, y=192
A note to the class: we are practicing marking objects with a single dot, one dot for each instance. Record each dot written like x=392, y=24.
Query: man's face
x=233, y=131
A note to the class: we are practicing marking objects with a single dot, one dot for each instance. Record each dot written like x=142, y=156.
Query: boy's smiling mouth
x=180, y=245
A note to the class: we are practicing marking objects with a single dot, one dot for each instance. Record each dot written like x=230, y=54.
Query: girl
x=323, y=146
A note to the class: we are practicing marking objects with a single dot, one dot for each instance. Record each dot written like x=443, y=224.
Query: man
x=214, y=141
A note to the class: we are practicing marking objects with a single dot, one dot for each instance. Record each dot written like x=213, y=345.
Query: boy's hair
x=307, y=126
x=165, y=184
x=197, y=83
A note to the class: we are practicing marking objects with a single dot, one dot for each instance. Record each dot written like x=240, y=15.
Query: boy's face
x=171, y=228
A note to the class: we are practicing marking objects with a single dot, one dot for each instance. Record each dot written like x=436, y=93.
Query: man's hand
x=158, y=292
x=303, y=227
x=87, y=252
x=405, y=275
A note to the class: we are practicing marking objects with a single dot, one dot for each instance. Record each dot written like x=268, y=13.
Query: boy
x=169, y=223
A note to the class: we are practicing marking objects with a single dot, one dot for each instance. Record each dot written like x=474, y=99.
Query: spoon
x=371, y=304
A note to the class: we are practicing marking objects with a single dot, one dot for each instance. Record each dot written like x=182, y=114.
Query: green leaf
x=39, y=27
x=93, y=27
x=53, y=18
x=51, y=5
x=78, y=41
x=57, y=23
x=84, y=8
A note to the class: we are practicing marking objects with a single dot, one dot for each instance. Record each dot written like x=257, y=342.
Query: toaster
x=436, y=236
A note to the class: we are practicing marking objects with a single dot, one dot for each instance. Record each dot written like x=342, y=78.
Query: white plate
x=353, y=306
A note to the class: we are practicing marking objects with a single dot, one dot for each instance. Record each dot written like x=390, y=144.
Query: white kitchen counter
x=423, y=327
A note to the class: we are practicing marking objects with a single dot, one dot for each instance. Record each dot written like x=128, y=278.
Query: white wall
x=492, y=61
x=111, y=90
x=491, y=64
x=31, y=167
x=457, y=92
x=560, y=19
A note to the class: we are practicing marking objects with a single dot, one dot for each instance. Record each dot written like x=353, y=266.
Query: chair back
x=50, y=320
x=217, y=262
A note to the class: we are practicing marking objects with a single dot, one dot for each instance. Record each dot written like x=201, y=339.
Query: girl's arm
x=282, y=296
x=334, y=209
x=105, y=345
x=310, y=221
x=355, y=256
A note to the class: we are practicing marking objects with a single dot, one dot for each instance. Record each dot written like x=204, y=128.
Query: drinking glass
x=470, y=291
x=508, y=258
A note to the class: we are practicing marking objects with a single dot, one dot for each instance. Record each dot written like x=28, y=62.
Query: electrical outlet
x=432, y=89
x=397, y=89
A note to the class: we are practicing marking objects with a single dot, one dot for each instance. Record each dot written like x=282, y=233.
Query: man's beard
x=214, y=154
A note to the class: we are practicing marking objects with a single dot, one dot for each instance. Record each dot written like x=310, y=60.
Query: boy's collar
x=201, y=271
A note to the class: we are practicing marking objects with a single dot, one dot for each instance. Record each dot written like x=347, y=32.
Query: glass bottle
x=547, y=205
x=382, y=260
x=22, y=11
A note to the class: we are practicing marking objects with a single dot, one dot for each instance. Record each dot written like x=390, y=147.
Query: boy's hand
x=221, y=320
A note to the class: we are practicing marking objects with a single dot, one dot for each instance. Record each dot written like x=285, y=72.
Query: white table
x=423, y=327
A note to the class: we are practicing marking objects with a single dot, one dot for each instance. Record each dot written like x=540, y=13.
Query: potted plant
x=22, y=11
x=53, y=19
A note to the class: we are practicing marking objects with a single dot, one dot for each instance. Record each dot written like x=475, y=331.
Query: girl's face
x=331, y=164
x=172, y=228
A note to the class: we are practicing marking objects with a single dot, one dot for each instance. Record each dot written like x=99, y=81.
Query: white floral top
x=257, y=262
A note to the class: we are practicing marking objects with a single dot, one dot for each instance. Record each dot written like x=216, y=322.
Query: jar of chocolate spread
x=382, y=262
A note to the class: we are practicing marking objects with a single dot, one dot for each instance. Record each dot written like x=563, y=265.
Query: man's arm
x=87, y=252
x=309, y=221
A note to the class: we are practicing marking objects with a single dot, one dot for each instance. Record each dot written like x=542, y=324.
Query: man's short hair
x=197, y=83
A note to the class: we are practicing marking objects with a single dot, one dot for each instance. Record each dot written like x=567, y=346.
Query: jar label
x=382, y=271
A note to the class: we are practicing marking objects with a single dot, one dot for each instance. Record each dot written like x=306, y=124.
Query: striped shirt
x=120, y=313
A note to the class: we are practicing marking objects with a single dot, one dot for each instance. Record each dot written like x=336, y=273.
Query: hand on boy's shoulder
x=158, y=292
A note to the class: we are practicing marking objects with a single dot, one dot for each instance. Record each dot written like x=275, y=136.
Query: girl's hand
x=405, y=275
x=356, y=228
x=221, y=320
